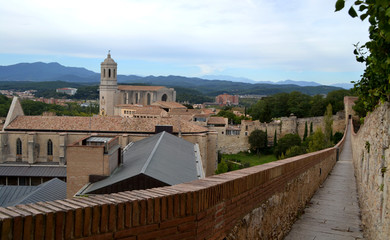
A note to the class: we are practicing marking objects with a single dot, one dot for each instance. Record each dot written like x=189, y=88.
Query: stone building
x=112, y=94
x=43, y=140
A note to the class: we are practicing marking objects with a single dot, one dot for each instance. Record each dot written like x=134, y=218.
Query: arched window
x=114, y=73
x=49, y=147
x=18, y=147
x=109, y=73
x=104, y=72
x=164, y=98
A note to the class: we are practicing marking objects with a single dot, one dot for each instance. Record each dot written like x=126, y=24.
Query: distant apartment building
x=69, y=91
x=226, y=99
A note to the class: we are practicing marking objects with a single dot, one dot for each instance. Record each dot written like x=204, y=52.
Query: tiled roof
x=139, y=88
x=185, y=111
x=99, y=124
x=164, y=157
x=216, y=120
x=33, y=171
x=52, y=190
x=173, y=105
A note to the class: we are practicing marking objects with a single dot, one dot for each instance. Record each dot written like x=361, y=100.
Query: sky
x=263, y=40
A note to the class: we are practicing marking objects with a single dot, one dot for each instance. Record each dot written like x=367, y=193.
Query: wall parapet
x=371, y=159
x=210, y=208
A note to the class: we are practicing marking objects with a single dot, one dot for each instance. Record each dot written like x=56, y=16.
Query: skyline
x=259, y=40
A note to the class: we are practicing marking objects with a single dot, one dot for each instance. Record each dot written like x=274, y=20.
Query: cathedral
x=112, y=95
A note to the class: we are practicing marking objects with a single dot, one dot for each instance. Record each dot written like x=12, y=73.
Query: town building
x=112, y=94
x=69, y=91
x=226, y=99
x=156, y=161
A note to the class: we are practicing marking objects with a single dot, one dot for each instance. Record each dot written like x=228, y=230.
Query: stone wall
x=236, y=143
x=257, y=202
x=371, y=157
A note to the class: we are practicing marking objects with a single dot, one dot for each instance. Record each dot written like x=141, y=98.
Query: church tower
x=108, y=86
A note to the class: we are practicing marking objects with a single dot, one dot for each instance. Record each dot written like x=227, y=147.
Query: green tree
x=328, y=121
x=257, y=140
x=305, y=133
x=294, y=151
x=222, y=167
x=311, y=128
x=374, y=85
x=287, y=142
x=317, y=141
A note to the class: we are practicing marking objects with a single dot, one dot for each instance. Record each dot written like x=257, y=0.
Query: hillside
x=11, y=77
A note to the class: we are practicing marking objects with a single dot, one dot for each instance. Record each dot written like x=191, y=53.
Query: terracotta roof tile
x=139, y=88
x=173, y=105
x=216, y=120
x=100, y=124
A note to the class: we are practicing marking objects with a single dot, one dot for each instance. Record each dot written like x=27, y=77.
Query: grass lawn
x=252, y=159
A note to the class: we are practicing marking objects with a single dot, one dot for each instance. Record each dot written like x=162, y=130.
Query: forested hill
x=40, y=72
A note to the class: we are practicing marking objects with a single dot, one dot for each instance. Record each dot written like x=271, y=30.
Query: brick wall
x=212, y=208
x=371, y=157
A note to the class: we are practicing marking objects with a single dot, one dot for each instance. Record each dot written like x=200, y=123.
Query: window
x=109, y=73
x=18, y=147
x=104, y=72
x=164, y=98
x=114, y=73
x=49, y=147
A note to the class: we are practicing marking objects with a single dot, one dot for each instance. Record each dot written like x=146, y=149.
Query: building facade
x=112, y=94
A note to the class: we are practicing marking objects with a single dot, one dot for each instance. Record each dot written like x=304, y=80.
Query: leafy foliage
x=5, y=103
x=286, y=142
x=317, y=141
x=301, y=105
x=328, y=121
x=374, y=85
x=71, y=109
x=258, y=140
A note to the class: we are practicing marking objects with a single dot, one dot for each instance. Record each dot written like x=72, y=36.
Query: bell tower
x=108, y=86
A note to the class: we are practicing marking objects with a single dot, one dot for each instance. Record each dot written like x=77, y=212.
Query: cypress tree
x=311, y=128
x=305, y=133
x=275, y=139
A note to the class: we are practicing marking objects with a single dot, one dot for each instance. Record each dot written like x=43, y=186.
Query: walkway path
x=333, y=212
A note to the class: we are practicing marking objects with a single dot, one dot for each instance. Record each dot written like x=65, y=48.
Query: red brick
x=69, y=224
x=185, y=227
x=150, y=210
x=17, y=229
x=96, y=220
x=157, y=234
x=128, y=214
x=59, y=225
x=87, y=221
x=136, y=214
x=182, y=205
x=176, y=205
x=39, y=230
x=142, y=212
x=136, y=231
x=157, y=209
x=112, y=218
x=121, y=216
x=103, y=236
x=6, y=226
x=181, y=236
x=79, y=223
x=170, y=207
x=104, y=218
x=164, y=208
x=177, y=221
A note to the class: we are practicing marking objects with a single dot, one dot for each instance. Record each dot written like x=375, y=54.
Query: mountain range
x=40, y=72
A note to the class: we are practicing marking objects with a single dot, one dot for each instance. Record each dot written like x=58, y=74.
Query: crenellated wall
x=261, y=201
x=371, y=157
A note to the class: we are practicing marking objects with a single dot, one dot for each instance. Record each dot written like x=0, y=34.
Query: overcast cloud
x=257, y=39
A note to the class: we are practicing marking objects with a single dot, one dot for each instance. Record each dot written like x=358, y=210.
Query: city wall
x=371, y=157
x=257, y=202
x=236, y=143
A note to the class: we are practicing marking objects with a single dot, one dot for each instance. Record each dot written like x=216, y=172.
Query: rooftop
x=99, y=124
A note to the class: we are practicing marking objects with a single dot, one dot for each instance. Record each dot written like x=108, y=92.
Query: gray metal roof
x=163, y=156
x=99, y=139
x=33, y=171
x=54, y=189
